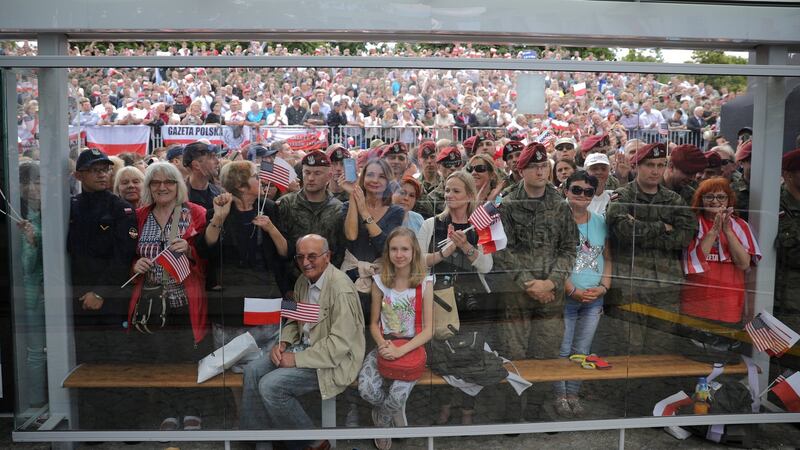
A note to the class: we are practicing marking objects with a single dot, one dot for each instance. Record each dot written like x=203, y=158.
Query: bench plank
x=184, y=375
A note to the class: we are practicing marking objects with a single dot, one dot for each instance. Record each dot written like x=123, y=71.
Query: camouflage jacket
x=298, y=217
x=642, y=250
x=542, y=241
x=742, y=190
x=788, y=246
x=431, y=204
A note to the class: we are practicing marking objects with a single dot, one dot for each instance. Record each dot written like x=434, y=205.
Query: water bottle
x=701, y=396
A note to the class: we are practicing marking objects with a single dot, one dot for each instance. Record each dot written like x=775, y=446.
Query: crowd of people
x=593, y=217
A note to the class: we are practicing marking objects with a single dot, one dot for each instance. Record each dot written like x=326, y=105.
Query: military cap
x=533, y=153
x=714, y=160
x=426, y=148
x=649, y=151
x=449, y=156
x=89, y=157
x=316, y=159
x=744, y=151
x=375, y=143
x=472, y=143
x=336, y=153
x=593, y=141
x=688, y=159
x=512, y=147
x=791, y=161
x=395, y=148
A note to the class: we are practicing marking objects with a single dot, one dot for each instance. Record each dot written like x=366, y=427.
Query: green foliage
x=733, y=83
x=634, y=55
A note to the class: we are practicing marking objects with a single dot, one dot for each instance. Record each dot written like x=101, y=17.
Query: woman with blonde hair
x=129, y=184
x=194, y=114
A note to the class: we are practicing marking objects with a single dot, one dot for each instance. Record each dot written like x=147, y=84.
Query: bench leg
x=329, y=416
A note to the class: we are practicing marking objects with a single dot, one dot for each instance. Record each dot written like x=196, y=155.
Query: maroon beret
x=650, y=151
x=688, y=159
x=714, y=160
x=426, y=148
x=337, y=152
x=511, y=147
x=593, y=141
x=449, y=155
x=791, y=161
x=744, y=151
x=316, y=159
x=533, y=153
x=395, y=148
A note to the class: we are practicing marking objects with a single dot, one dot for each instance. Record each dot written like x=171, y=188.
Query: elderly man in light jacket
x=322, y=357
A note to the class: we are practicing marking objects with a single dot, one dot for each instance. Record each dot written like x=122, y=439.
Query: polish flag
x=113, y=140
x=579, y=89
x=670, y=405
x=788, y=389
x=559, y=125
x=492, y=238
x=262, y=311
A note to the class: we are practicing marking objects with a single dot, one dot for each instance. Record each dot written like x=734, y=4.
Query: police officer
x=684, y=163
x=312, y=210
x=428, y=174
x=741, y=185
x=787, y=299
x=101, y=244
x=336, y=153
x=650, y=226
x=448, y=161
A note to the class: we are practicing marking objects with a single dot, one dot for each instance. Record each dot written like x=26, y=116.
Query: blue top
x=413, y=221
x=589, y=263
x=366, y=248
x=257, y=117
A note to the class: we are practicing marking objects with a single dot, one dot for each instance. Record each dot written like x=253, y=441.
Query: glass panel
x=603, y=286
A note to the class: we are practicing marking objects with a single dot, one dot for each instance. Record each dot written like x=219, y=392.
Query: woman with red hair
x=716, y=260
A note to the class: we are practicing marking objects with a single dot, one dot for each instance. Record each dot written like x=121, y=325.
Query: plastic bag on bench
x=225, y=357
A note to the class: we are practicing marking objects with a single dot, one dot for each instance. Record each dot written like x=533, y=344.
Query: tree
x=635, y=55
x=733, y=83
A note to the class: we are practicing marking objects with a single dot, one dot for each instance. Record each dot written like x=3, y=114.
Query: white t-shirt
x=398, y=308
x=600, y=203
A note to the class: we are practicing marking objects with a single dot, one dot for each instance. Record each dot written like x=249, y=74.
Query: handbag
x=463, y=356
x=150, y=312
x=410, y=366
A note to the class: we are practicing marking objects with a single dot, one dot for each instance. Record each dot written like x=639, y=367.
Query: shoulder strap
x=418, y=310
x=174, y=228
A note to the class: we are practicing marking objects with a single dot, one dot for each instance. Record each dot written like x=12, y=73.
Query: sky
x=677, y=56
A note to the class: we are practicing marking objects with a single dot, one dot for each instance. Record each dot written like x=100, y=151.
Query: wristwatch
x=470, y=252
x=369, y=220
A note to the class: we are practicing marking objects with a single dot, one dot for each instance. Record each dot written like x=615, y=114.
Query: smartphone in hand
x=350, y=174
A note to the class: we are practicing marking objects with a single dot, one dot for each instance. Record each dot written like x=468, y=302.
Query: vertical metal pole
x=769, y=106
x=53, y=139
x=430, y=443
x=622, y=439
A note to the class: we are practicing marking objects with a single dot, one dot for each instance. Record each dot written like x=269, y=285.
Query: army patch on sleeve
x=614, y=196
x=133, y=233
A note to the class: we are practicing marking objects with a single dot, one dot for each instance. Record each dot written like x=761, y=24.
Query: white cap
x=596, y=158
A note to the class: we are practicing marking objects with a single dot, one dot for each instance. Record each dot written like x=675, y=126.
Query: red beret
x=593, y=141
x=744, y=151
x=470, y=144
x=791, y=161
x=688, y=159
x=337, y=152
x=511, y=147
x=449, y=155
x=650, y=151
x=426, y=148
x=533, y=153
x=316, y=159
x=395, y=148
x=714, y=160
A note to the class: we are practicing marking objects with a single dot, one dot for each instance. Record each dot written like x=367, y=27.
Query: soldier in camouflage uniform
x=787, y=299
x=312, y=210
x=448, y=161
x=511, y=152
x=336, y=153
x=685, y=162
x=741, y=185
x=649, y=226
x=428, y=173
x=531, y=271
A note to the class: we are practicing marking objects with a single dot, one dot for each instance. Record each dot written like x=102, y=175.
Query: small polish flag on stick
x=670, y=405
x=262, y=311
x=788, y=390
x=579, y=89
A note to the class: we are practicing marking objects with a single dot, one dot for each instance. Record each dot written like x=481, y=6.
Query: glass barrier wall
x=279, y=249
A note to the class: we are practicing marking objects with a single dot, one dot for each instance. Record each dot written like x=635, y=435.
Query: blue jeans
x=270, y=397
x=580, y=323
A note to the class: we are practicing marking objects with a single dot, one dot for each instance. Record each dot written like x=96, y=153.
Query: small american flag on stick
x=177, y=264
x=306, y=312
x=484, y=216
x=770, y=335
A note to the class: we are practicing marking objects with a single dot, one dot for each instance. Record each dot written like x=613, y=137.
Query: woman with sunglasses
x=585, y=287
x=487, y=181
x=716, y=260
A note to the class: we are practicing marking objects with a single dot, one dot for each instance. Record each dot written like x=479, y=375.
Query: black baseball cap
x=259, y=150
x=89, y=157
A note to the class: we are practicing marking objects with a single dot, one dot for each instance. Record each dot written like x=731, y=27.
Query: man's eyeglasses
x=480, y=168
x=722, y=198
x=577, y=190
x=725, y=162
x=311, y=257
x=564, y=147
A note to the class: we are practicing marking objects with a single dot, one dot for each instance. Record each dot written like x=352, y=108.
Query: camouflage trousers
x=529, y=330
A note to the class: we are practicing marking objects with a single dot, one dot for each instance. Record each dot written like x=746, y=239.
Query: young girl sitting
x=394, y=316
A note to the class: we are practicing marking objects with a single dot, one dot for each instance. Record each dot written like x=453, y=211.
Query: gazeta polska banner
x=237, y=137
x=186, y=134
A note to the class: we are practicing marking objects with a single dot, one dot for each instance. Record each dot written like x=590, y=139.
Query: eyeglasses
x=725, y=162
x=563, y=147
x=722, y=198
x=577, y=190
x=97, y=171
x=311, y=257
x=480, y=168
x=158, y=183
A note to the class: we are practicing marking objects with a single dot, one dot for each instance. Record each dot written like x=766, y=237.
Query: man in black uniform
x=202, y=162
x=101, y=245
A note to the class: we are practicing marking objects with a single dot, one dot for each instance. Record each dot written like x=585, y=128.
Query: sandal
x=598, y=362
x=192, y=423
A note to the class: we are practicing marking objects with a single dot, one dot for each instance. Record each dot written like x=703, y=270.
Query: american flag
x=765, y=338
x=306, y=312
x=484, y=216
x=278, y=173
x=177, y=264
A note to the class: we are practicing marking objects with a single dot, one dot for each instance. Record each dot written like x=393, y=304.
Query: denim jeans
x=270, y=397
x=580, y=324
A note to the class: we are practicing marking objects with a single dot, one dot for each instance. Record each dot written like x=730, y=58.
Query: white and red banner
x=670, y=405
x=579, y=89
x=788, y=389
x=262, y=311
x=113, y=140
x=186, y=134
x=299, y=138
